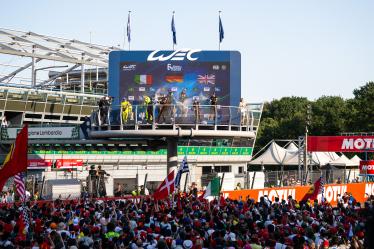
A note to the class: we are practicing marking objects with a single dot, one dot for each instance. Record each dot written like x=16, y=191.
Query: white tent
x=343, y=161
x=273, y=155
x=292, y=147
x=356, y=160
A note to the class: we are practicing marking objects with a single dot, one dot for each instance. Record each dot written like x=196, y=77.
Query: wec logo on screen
x=178, y=55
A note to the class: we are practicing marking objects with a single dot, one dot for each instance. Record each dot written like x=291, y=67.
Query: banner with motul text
x=367, y=167
x=341, y=143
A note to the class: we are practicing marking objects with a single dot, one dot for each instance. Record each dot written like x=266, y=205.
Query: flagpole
x=128, y=27
x=219, y=34
x=173, y=26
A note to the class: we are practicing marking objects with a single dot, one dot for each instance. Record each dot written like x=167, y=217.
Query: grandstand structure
x=56, y=83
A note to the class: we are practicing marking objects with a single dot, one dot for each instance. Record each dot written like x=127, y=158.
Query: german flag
x=174, y=78
x=16, y=160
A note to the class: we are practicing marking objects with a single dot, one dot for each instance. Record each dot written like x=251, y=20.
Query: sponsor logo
x=206, y=89
x=366, y=167
x=131, y=97
x=129, y=67
x=173, y=68
x=331, y=193
x=281, y=193
x=141, y=89
x=174, y=89
x=217, y=89
x=223, y=67
x=357, y=144
x=178, y=55
x=215, y=67
x=369, y=189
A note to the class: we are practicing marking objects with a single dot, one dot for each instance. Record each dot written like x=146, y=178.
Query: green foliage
x=330, y=115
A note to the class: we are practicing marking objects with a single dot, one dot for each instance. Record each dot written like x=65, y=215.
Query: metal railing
x=291, y=177
x=159, y=116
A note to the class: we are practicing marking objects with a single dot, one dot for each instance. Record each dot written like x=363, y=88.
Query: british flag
x=206, y=79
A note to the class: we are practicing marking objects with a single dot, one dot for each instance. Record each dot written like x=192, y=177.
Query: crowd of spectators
x=188, y=222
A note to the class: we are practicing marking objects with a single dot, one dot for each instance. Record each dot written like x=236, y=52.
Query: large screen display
x=186, y=74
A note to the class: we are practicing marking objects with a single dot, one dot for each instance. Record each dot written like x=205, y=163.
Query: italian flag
x=213, y=188
x=143, y=79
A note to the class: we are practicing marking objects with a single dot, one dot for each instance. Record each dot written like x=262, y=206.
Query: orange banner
x=360, y=192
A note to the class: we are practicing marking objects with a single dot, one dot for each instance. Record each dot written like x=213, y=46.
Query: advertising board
x=367, y=168
x=341, y=143
x=43, y=132
x=186, y=74
x=360, y=191
x=39, y=163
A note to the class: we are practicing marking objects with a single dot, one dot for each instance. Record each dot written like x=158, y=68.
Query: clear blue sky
x=301, y=48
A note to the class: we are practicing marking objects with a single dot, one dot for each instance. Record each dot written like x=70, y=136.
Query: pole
x=185, y=183
x=145, y=183
x=172, y=154
x=173, y=31
x=219, y=39
x=253, y=179
x=221, y=184
x=128, y=29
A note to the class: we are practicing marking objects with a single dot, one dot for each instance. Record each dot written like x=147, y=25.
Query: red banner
x=341, y=143
x=367, y=167
x=68, y=163
x=39, y=163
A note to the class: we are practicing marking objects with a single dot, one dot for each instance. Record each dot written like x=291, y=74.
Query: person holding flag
x=313, y=192
x=166, y=188
x=16, y=160
x=183, y=168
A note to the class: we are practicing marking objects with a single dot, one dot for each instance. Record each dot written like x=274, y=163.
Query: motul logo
x=367, y=167
x=358, y=144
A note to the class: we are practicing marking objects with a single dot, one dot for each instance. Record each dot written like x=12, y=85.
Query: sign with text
x=68, y=163
x=44, y=132
x=341, y=143
x=360, y=191
x=367, y=167
x=39, y=163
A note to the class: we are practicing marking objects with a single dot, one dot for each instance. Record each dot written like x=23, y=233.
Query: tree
x=363, y=109
x=329, y=116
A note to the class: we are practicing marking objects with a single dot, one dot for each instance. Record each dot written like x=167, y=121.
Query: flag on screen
x=206, y=79
x=128, y=28
x=176, y=78
x=220, y=28
x=143, y=79
x=166, y=188
x=316, y=189
x=16, y=160
x=19, y=181
x=213, y=188
x=173, y=30
x=183, y=168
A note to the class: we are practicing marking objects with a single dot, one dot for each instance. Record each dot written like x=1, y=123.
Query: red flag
x=166, y=187
x=314, y=190
x=16, y=160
